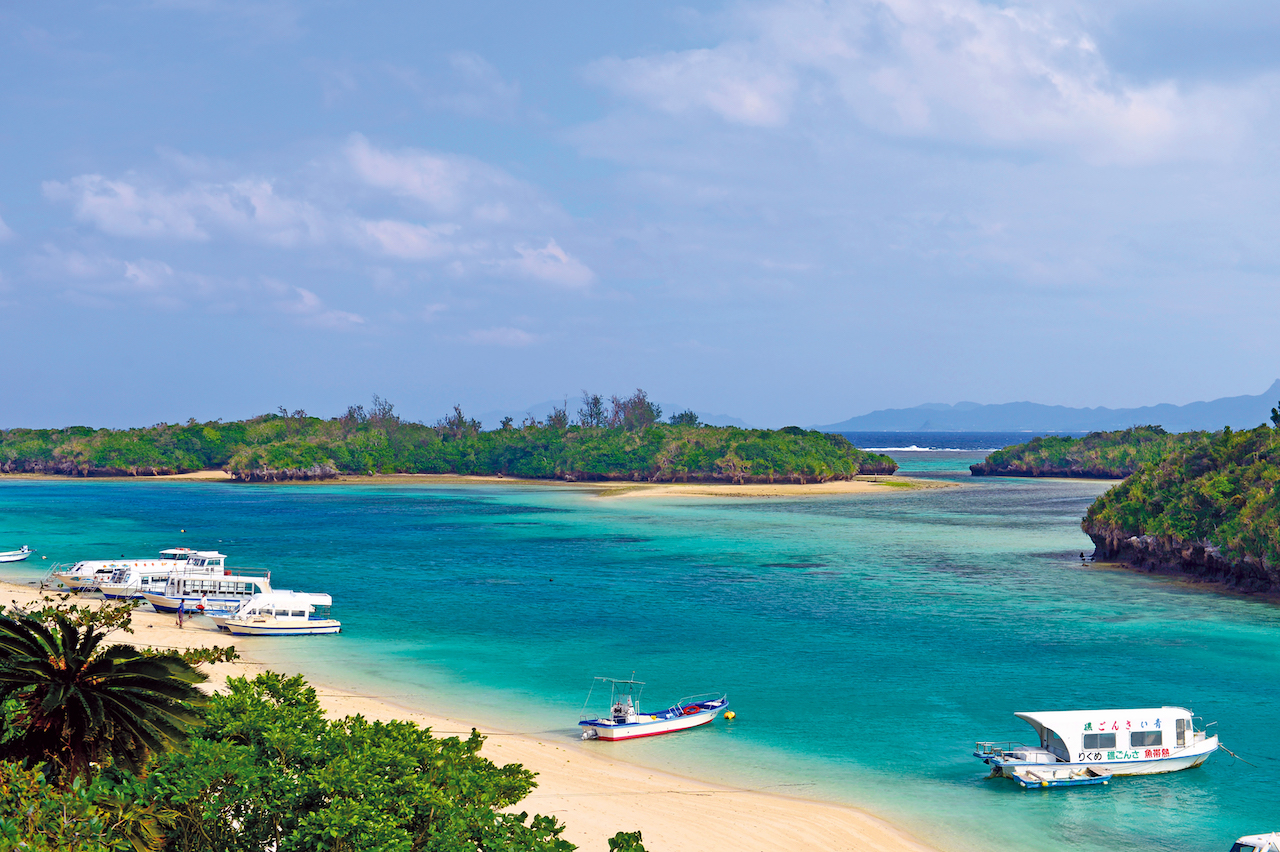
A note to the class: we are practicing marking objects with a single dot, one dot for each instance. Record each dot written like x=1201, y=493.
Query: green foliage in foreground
x=1113, y=455
x=91, y=760
x=628, y=443
x=268, y=770
x=75, y=702
x=1221, y=489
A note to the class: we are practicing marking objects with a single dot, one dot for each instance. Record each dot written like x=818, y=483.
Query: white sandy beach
x=594, y=796
x=611, y=489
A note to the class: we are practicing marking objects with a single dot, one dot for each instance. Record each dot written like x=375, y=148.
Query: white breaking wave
x=914, y=449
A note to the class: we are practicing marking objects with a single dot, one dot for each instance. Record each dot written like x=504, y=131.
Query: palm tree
x=79, y=704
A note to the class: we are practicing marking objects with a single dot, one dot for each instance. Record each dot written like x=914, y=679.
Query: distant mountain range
x=1238, y=412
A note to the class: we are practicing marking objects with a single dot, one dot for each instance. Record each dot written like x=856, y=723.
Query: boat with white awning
x=86, y=574
x=200, y=594
x=1144, y=741
x=134, y=579
x=281, y=613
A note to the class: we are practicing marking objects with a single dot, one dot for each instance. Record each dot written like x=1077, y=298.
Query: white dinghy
x=16, y=555
x=1089, y=744
x=1258, y=843
x=625, y=721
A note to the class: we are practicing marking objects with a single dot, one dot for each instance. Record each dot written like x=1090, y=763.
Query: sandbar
x=599, y=488
x=593, y=795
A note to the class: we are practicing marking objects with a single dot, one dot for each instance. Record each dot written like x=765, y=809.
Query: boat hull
x=1189, y=757
x=267, y=628
x=193, y=606
x=651, y=725
x=636, y=730
x=15, y=555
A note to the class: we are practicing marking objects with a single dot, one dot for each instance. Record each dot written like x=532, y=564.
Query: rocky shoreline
x=1199, y=560
x=986, y=468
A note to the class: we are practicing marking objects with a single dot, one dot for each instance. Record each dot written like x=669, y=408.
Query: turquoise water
x=866, y=641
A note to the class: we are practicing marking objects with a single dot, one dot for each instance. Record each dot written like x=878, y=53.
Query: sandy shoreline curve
x=602, y=488
x=595, y=796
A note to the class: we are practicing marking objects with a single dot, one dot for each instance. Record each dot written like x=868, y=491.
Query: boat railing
x=224, y=573
x=697, y=699
x=997, y=749
x=1200, y=731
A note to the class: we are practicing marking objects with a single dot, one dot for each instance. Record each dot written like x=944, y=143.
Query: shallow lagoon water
x=866, y=641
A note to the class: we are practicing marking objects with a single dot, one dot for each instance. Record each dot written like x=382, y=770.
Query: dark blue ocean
x=866, y=641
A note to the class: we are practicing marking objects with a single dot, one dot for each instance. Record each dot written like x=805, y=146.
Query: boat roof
x=176, y=550
x=289, y=597
x=209, y=554
x=1070, y=720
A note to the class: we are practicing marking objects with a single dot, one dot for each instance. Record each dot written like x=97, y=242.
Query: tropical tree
x=77, y=704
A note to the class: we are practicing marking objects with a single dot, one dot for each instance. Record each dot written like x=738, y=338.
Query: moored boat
x=217, y=594
x=88, y=573
x=1111, y=742
x=1258, y=843
x=281, y=613
x=625, y=721
x=133, y=579
x=16, y=555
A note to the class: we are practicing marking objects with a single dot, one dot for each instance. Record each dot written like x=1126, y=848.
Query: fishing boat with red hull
x=625, y=721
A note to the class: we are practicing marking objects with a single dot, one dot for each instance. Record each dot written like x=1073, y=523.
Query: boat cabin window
x=1099, y=740
x=297, y=613
x=1145, y=738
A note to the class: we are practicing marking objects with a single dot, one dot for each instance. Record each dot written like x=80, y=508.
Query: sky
x=784, y=211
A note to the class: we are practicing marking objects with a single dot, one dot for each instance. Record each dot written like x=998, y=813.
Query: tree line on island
x=1205, y=504
x=624, y=438
x=112, y=748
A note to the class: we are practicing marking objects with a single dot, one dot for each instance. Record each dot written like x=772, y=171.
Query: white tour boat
x=1089, y=746
x=87, y=574
x=281, y=613
x=1258, y=843
x=16, y=555
x=625, y=721
x=203, y=594
x=133, y=579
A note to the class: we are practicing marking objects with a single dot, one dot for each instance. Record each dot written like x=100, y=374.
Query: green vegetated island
x=1206, y=504
x=615, y=439
x=113, y=748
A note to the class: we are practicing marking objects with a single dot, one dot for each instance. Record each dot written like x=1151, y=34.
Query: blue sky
x=791, y=212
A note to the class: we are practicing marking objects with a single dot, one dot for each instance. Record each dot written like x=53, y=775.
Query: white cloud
x=446, y=183
x=551, y=264
x=502, y=336
x=309, y=309
x=728, y=81
x=407, y=240
x=249, y=207
x=964, y=70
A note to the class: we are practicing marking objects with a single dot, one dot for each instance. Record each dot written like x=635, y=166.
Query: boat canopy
x=176, y=553
x=286, y=600
x=1071, y=732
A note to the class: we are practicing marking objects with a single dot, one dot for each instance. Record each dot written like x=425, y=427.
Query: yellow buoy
x=731, y=715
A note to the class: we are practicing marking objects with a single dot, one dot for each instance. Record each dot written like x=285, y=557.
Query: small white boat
x=87, y=574
x=16, y=555
x=1258, y=843
x=1108, y=742
x=281, y=613
x=625, y=721
x=199, y=594
x=133, y=579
